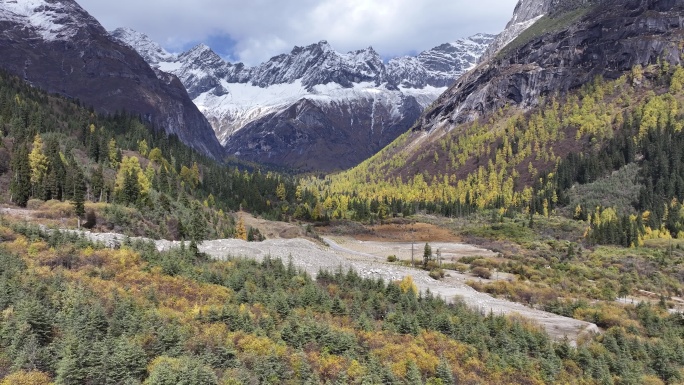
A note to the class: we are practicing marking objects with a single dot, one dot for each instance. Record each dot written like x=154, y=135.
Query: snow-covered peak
x=202, y=70
x=439, y=66
x=199, y=49
x=201, y=53
x=482, y=38
x=320, y=64
x=49, y=19
x=152, y=52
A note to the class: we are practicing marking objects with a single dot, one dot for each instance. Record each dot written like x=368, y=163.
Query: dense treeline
x=649, y=134
x=75, y=313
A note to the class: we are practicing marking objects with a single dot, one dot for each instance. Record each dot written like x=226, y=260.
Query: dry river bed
x=369, y=260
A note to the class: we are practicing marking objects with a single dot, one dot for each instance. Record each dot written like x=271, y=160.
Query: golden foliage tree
x=38, y=161
x=132, y=165
x=27, y=378
x=240, y=229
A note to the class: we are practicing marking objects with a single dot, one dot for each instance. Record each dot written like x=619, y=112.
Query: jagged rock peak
x=439, y=66
x=151, y=51
x=57, y=46
x=201, y=52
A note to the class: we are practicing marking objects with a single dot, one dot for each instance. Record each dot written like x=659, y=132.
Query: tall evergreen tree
x=131, y=190
x=427, y=255
x=97, y=184
x=444, y=373
x=20, y=186
x=79, y=192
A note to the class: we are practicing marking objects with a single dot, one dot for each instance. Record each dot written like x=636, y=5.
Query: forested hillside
x=76, y=313
x=529, y=161
x=129, y=177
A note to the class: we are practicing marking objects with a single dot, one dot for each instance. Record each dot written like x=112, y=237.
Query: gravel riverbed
x=366, y=258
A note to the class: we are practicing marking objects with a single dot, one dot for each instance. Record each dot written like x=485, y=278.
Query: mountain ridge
x=489, y=141
x=353, y=97
x=562, y=52
x=57, y=46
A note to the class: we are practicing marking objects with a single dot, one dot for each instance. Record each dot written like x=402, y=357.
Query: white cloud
x=264, y=28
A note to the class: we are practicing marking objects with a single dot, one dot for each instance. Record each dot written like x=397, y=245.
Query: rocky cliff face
x=527, y=13
x=602, y=38
x=57, y=46
x=314, y=108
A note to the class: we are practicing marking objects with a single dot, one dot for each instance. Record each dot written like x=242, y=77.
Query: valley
x=369, y=260
x=498, y=209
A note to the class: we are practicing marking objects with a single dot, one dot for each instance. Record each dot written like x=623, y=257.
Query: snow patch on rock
x=57, y=20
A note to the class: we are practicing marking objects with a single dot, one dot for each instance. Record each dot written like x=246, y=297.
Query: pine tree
x=93, y=144
x=413, y=376
x=130, y=193
x=427, y=255
x=97, y=184
x=54, y=182
x=20, y=187
x=79, y=192
x=444, y=373
x=112, y=153
x=197, y=229
x=163, y=178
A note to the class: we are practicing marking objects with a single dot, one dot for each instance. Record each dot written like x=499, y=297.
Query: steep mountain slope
x=487, y=140
x=314, y=108
x=563, y=51
x=59, y=47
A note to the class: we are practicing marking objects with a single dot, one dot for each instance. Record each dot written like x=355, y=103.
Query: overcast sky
x=252, y=31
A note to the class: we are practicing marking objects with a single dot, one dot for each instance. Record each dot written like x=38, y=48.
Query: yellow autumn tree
x=407, y=284
x=677, y=82
x=156, y=155
x=132, y=165
x=112, y=153
x=240, y=229
x=27, y=378
x=38, y=161
x=143, y=148
x=281, y=193
x=190, y=175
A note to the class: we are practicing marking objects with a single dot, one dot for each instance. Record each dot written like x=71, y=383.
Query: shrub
x=460, y=267
x=482, y=272
x=392, y=258
x=34, y=204
x=437, y=274
x=480, y=262
x=27, y=378
x=91, y=219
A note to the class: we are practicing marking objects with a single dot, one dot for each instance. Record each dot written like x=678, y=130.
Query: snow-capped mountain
x=440, y=66
x=57, y=46
x=314, y=108
x=51, y=20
